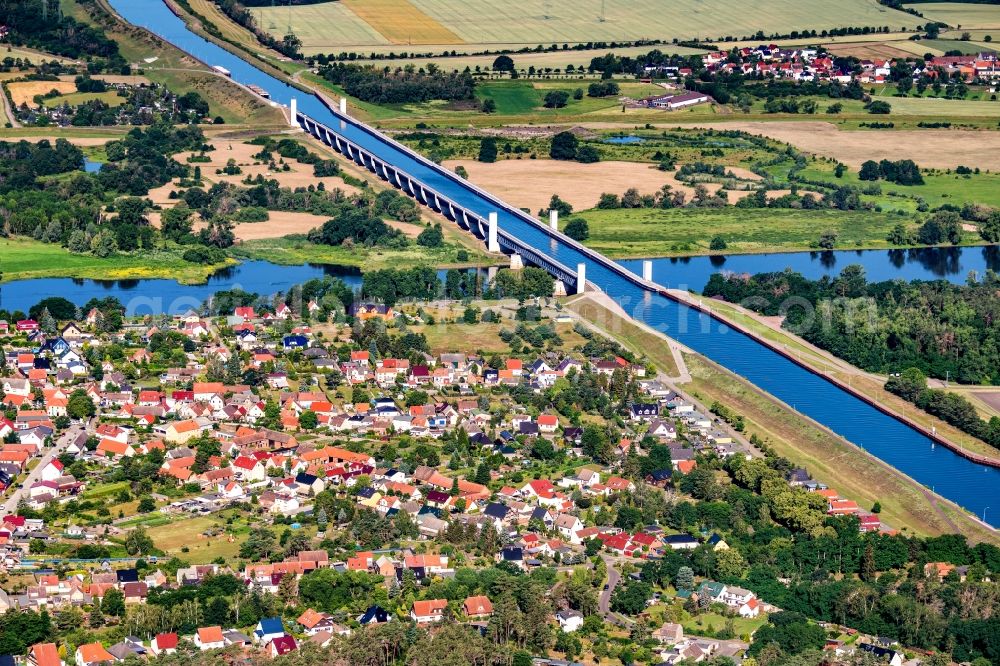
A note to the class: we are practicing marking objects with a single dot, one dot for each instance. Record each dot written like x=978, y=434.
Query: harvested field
x=966, y=15
x=870, y=50
x=531, y=183
x=301, y=175
x=23, y=92
x=944, y=149
x=128, y=79
x=401, y=22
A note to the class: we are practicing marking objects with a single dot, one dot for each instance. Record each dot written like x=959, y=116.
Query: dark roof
x=374, y=614
x=496, y=510
x=679, y=538
x=437, y=496
x=512, y=554
x=305, y=478
x=127, y=576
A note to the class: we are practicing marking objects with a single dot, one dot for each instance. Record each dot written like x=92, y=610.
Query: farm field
x=966, y=15
x=110, y=98
x=493, y=22
x=531, y=183
x=23, y=92
x=654, y=232
x=929, y=148
x=554, y=59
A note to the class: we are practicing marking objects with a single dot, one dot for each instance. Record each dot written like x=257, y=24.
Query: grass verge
x=906, y=505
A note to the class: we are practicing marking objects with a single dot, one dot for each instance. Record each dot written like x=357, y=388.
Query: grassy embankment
x=178, y=71
x=24, y=258
x=677, y=232
x=906, y=504
x=869, y=384
x=631, y=334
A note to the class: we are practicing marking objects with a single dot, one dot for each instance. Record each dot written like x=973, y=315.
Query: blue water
x=933, y=263
x=90, y=166
x=624, y=140
x=971, y=485
x=169, y=296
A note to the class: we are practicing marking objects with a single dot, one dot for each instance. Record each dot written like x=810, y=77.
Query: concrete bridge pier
x=493, y=245
x=559, y=289
x=554, y=220
x=516, y=263
x=581, y=278
x=294, y=108
x=647, y=270
x=343, y=106
x=491, y=274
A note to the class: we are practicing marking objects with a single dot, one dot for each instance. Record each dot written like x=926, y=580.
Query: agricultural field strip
x=534, y=22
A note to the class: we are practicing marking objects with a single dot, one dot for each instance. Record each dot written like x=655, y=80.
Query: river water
x=973, y=486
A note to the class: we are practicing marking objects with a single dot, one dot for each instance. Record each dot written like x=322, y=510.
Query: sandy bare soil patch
x=943, y=149
x=868, y=51
x=531, y=183
x=991, y=398
x=301, y=175
x=23, y=92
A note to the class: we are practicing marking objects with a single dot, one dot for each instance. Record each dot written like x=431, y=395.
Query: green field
x=655, y=232
x=553, y=59
x=329, y=27
x=23, y=258
x=319, y=26
x=75, y=99
x=966, y=15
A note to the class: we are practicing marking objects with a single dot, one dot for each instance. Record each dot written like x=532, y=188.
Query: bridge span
x=466, y=214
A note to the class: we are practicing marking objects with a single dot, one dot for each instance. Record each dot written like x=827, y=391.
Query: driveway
x=10, y=504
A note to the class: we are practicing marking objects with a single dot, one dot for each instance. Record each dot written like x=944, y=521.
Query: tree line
x=944, y=329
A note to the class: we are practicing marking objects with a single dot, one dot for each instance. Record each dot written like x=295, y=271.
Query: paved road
x=10, y=504
x=604, y=601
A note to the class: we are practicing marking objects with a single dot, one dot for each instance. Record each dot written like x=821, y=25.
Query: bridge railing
x=493, y=199
x=532, y=254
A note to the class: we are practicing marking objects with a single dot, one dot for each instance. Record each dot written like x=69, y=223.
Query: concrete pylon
x=581, y=278
x=491, y=274
x=343, y=106
x=493, y=245
x=560, y=288
x=554, y=220
x=292, y=120
x=516, y=263
x=647, y=270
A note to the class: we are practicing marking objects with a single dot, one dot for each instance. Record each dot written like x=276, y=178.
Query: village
x=321, y=419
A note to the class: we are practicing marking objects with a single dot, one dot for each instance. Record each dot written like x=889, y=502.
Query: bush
x=564, y=146
x=204, y=255
x=588, y=155
x=251, y=214
x=577, y=229
x=431, y=237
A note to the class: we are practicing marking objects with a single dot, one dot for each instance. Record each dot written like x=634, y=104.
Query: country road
x=10, y=504
x=604, y=601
